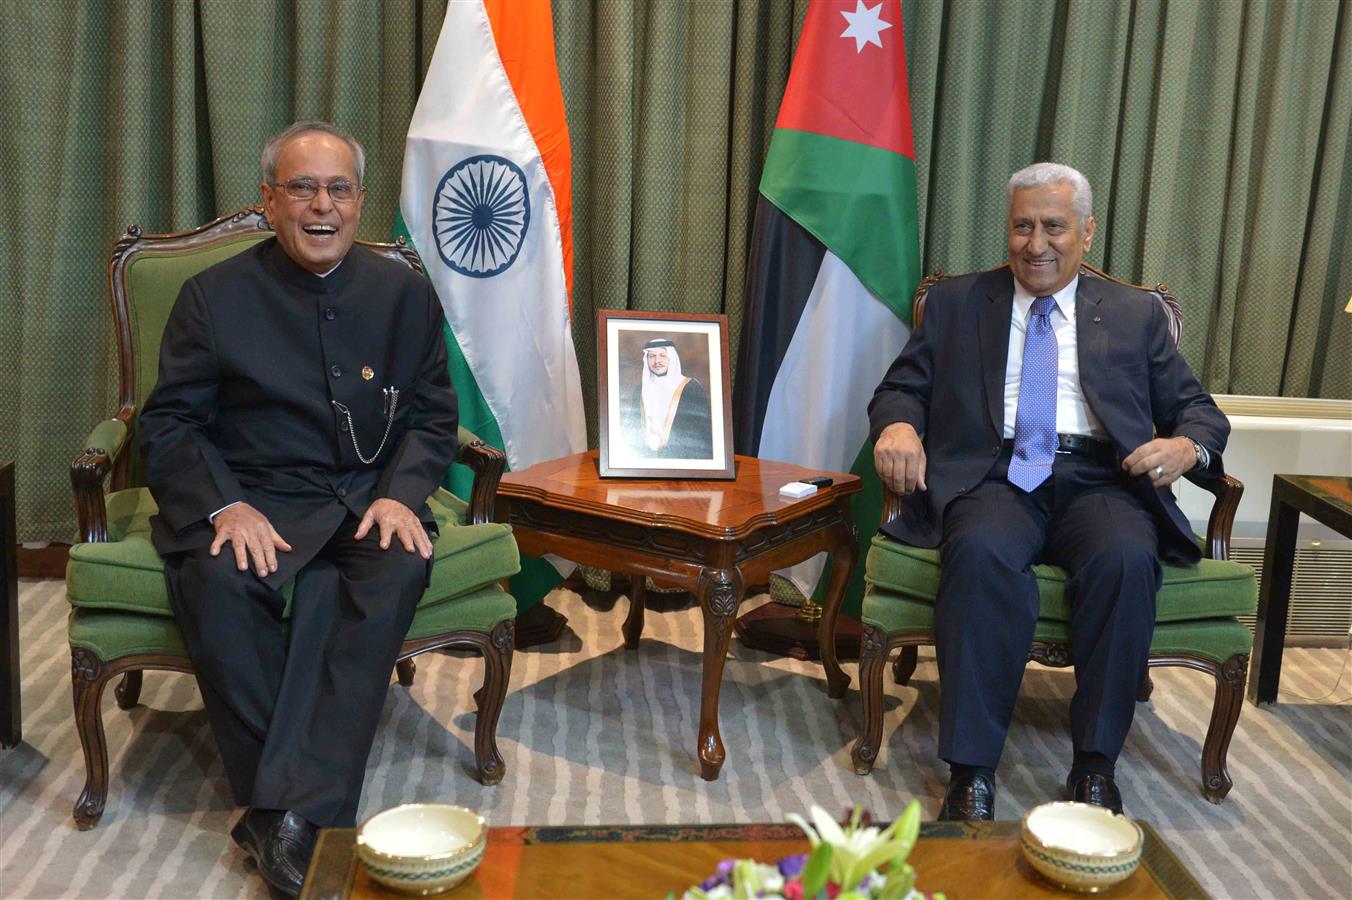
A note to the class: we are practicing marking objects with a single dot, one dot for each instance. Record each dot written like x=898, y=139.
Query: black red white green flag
x=835, y=254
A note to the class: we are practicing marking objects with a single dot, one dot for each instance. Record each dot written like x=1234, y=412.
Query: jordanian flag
x=835, y=256
x=487, y=200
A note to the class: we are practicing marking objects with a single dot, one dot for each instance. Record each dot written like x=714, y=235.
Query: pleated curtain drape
x=1215, y=136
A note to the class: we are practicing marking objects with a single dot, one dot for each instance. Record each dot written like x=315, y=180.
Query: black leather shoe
x=252, y=829
x=280, y=843
x=969, y=798
x=1096, y=790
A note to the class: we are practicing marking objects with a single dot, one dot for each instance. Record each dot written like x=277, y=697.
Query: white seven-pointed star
x=865, y=25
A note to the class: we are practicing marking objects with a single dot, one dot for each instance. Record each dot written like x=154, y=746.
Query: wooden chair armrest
x=1228, y=490
x=487, y=463
x=90, y=469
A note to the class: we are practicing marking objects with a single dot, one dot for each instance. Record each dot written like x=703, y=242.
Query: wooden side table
x=11, y=713
x=711, y=537
x=1326, y=499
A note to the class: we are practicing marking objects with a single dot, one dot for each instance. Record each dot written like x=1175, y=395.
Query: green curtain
x=1215, y=135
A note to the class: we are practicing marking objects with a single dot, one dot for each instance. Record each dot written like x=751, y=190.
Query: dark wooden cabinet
x=11, y=715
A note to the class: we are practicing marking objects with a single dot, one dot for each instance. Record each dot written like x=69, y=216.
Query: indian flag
x=835, y=255
x=487, y=200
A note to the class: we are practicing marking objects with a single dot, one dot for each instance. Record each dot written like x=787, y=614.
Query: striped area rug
x=594, y=734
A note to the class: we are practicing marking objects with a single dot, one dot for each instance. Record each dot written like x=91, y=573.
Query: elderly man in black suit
x=302, y=417
x=1039, y=414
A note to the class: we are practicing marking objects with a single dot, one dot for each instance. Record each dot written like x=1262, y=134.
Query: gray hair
x=273, y=149
x=1043, y=173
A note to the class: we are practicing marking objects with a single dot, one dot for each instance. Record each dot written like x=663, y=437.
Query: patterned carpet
x=593, y=734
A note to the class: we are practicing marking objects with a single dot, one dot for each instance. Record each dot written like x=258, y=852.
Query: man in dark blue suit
x=1039, y=414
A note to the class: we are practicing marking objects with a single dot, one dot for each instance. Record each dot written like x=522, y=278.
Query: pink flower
x=793, y=890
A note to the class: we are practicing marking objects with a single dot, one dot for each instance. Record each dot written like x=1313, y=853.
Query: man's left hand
x=396, y=520
x=1164, y=459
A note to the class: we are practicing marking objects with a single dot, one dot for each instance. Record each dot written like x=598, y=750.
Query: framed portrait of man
x=664, y=400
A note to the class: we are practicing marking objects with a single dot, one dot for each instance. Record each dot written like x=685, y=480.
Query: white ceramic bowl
x=1081, y=847
x=422, y=848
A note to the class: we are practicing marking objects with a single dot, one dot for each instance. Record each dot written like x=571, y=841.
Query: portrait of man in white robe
x=669, y=410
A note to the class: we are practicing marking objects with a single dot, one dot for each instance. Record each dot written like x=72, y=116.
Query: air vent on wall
x=1321, y=590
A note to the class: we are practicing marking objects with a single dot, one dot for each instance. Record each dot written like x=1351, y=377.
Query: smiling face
x=657, y=361
x=1047, y=240
x=316, y=233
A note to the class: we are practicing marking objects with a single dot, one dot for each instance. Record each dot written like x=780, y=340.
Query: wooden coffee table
x=961, y=860
x=712, y=538
x=1324, y=498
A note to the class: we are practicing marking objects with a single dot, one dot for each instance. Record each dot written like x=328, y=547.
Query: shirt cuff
x=212, y=518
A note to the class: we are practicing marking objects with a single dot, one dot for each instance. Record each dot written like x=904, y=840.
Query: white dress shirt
x=1073, y=415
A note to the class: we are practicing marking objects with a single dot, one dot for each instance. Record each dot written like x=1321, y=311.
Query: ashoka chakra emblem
x=481, y=213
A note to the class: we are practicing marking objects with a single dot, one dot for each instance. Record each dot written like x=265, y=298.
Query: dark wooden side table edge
x=11, y=710
x=1166, y=868
x=333, y=865
x=1290, y=498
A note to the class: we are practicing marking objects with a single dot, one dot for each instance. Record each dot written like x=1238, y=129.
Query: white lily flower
x=812, y=837
x=858, y=851
x=827, y=827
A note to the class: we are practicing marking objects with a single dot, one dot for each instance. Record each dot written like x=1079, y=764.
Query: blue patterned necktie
x=1035, y=420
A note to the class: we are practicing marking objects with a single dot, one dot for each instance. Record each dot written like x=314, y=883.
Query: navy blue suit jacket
x=948, y=383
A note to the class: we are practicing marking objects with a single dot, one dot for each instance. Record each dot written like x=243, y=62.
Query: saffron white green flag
x=487, y=201
x=482, y=204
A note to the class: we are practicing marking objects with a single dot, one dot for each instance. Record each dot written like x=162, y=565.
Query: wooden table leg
x=843, y=557
x=633, y=623
x=720, y=593
x=1279, y=560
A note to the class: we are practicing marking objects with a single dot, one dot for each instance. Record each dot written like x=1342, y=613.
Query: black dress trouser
x=1085, y=520
x=294, y=710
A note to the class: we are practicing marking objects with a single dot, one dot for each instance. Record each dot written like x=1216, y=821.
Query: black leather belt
x=1081, y=445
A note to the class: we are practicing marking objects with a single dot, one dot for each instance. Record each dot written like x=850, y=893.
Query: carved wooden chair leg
x=1230, y=680
x=904, y=665
x=406, y=669
x=88, y=679
x=128, y=690
x=1146, y=689
x=497, y=650
x=872, y=660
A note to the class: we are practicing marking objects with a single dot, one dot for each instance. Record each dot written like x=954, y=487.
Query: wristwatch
x=1203, y=457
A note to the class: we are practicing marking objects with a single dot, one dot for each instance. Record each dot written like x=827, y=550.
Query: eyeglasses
x=340, y=190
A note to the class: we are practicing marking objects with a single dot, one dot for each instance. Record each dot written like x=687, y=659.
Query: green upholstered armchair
x=1195, y=623
x=120, y=621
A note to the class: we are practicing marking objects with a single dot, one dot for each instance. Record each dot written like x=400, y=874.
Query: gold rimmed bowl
x=1081, y=847
x=422, y=848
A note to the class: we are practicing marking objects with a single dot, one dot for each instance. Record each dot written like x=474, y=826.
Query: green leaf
x=909, y=829
x=816, y=870
x=900, y=880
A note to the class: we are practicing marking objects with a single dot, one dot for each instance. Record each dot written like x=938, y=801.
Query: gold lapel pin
x=367, y=373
